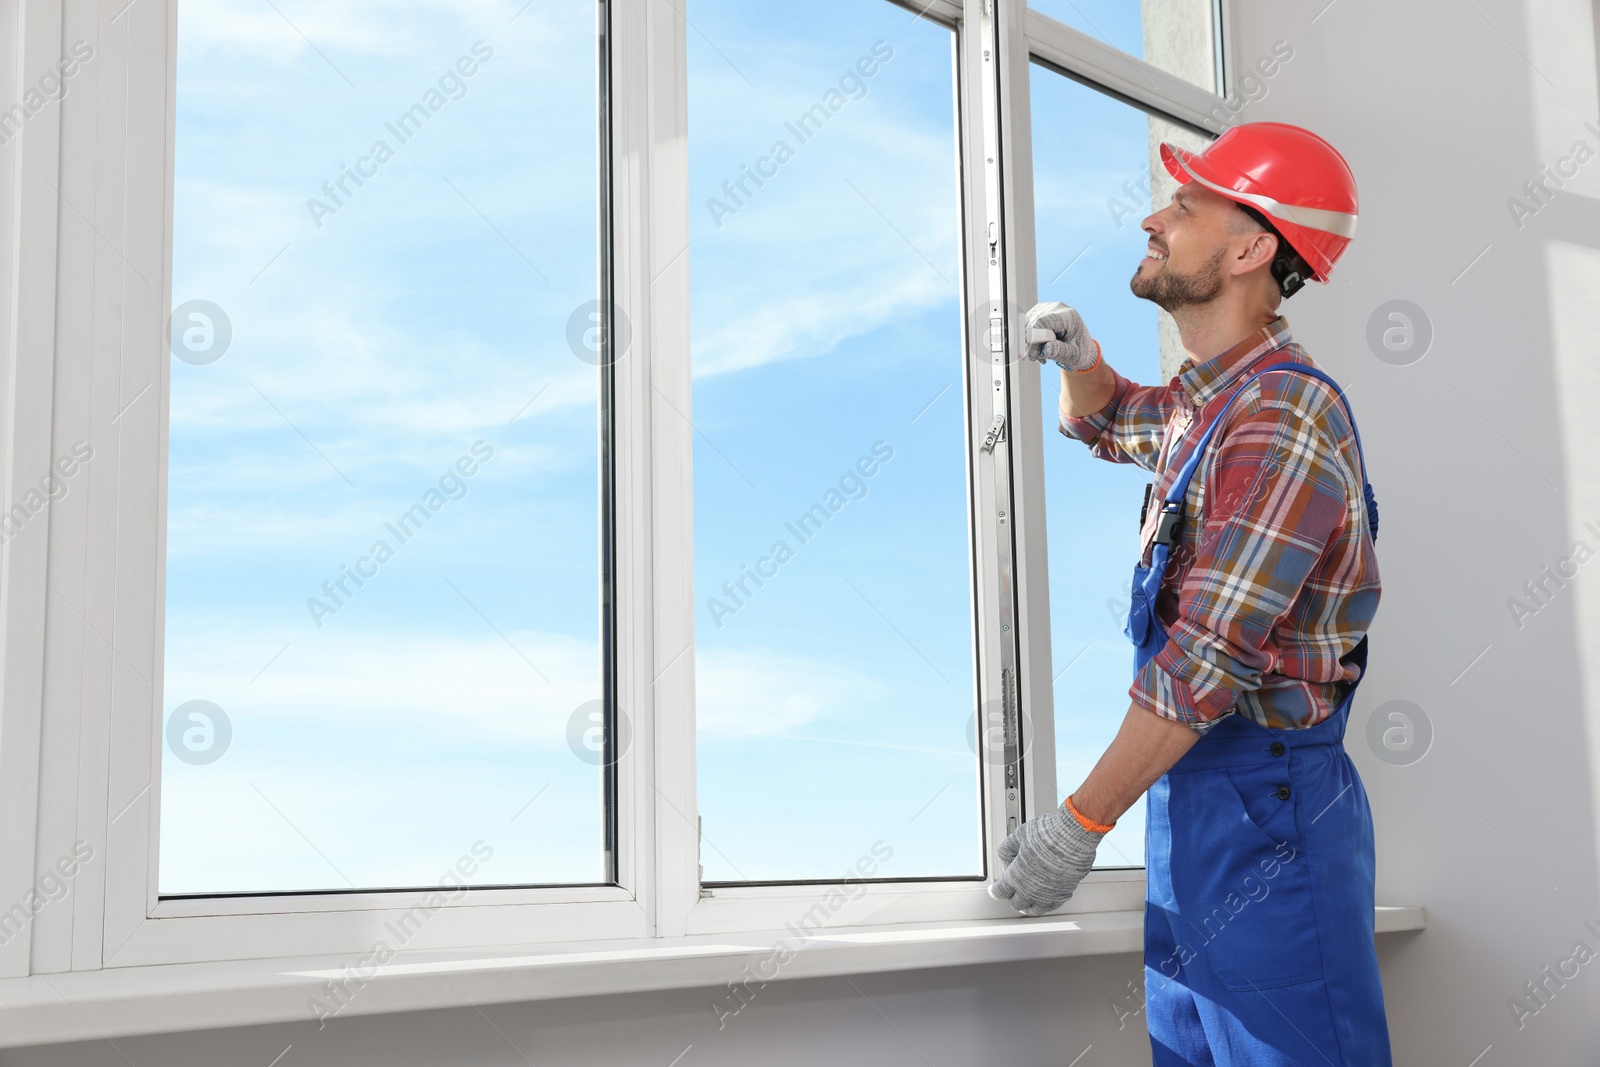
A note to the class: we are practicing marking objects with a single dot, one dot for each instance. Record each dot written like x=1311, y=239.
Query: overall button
x=1283, y=792
x=1278, y=749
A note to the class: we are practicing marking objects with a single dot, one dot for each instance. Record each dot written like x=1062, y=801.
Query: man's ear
x=1257, y=251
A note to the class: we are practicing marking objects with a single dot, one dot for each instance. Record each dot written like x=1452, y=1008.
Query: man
x=1256, y=586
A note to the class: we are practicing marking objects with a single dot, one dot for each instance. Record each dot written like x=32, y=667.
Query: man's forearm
x=1086, y=392
x=1145, y=748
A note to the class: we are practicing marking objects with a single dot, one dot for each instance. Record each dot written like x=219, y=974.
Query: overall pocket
x=1247, y=899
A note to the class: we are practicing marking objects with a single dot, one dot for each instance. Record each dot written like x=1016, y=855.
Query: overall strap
x=1172, y=507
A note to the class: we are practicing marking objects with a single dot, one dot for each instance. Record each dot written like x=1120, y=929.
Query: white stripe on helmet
x=1338, y=223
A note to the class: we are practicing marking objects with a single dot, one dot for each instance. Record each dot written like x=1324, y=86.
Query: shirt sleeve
x=1128, y=429
x=1278, y=494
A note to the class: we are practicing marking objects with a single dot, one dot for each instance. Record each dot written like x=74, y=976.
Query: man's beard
x=1170, y=291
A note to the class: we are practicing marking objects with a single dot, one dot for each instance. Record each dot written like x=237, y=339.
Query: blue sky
x=428, y=312
x=1087, y=150
x=834, y=704
x=369, y=354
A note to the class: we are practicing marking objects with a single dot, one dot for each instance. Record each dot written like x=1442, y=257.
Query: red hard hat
x=1291, y=175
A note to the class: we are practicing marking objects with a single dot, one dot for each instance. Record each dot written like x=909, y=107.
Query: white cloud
x=377, y=27
x=759, y=691
x=444, y=682
x=351, y=332
x=844, y=240
x=811, y=322
x=418, y=680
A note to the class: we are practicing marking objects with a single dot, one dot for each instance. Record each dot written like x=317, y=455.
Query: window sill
x=119, y=1002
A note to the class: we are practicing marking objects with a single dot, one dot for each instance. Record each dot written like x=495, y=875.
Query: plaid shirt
x=1274, y=577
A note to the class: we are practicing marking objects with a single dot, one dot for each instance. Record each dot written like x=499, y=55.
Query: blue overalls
x=1259, y=894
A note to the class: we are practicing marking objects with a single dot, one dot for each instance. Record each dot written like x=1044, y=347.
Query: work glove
x=1073, y=348
x=1044, y=860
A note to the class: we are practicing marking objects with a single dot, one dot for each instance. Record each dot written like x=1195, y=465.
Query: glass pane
x=383, y=537
x=832, y=571
x=1178, y=36
x=1092, y=187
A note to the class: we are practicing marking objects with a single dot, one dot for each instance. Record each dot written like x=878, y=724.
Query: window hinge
x=996, y=434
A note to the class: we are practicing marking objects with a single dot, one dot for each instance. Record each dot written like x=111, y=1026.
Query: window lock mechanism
x=996, y=434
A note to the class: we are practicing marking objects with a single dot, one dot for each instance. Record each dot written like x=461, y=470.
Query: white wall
x=1481, y=464
x=1485, y=467
x=1024, y=1015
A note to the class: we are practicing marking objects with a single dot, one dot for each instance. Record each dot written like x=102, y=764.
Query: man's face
x=1188, y=240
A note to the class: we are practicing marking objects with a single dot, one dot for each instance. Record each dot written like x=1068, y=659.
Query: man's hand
x=1073, y=348
x=1045, y=859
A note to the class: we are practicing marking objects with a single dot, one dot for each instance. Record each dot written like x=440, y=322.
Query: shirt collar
x=1202, y=381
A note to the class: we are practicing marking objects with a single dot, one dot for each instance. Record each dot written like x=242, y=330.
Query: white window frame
x=1068, y=52
x=88, y=195
x=729, y=909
